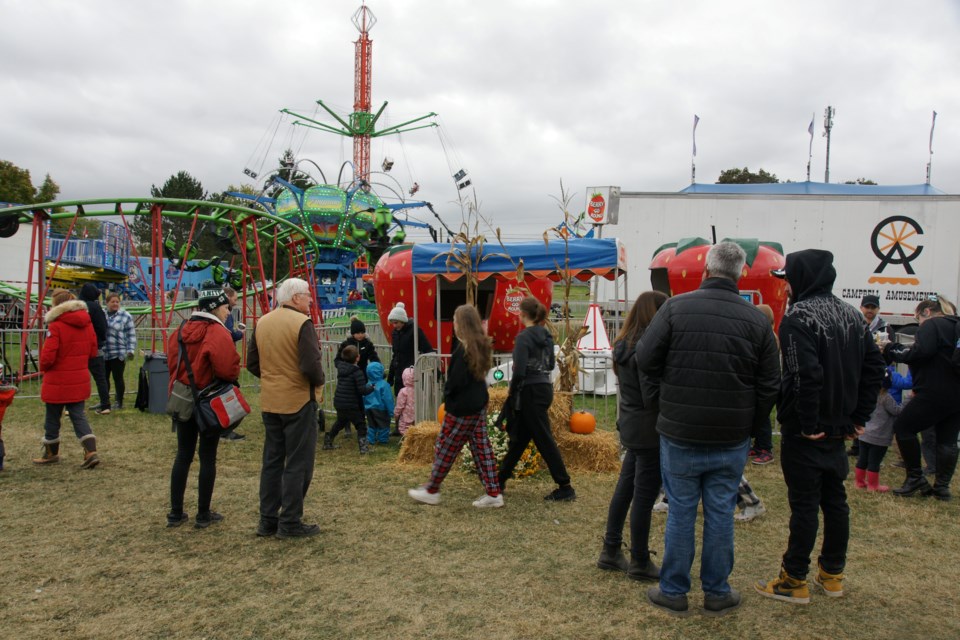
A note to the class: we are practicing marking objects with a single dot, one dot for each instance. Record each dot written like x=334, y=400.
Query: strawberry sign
x=596, y=207
x=602, y=205
x=512, y=300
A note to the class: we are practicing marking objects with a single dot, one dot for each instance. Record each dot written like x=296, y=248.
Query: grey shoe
x=612, y=558
x=299, y=531
x=716, y=606
x=674, y=605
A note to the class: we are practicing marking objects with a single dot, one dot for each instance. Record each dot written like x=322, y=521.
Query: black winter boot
x=946, y=464
x=364, y=445
x=643, y=569
x=612, y=558
x=914, y=482
x=328, y=443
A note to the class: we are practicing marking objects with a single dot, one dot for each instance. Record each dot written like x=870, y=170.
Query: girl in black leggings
x=531, y=394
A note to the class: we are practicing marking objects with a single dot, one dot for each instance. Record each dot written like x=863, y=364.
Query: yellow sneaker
x=785, y=588
x=831, y=583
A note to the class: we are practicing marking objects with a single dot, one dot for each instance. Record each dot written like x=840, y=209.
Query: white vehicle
x=901, y=243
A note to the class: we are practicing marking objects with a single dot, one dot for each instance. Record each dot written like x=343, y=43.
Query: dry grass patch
x=87, y=554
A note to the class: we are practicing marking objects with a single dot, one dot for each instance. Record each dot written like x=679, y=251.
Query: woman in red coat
x=69, y=345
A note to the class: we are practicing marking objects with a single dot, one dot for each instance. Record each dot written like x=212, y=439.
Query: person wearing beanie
x=91, y=296
x=70, y=344
x=209, y=349
x=358, y=338
x=402, y=341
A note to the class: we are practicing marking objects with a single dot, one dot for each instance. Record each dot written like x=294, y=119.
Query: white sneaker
x=661, y=505
x=750, y=512
x=420, y=494
x=485, y=501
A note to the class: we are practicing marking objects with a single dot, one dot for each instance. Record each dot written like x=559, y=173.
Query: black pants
x=99, y=373
x=814, y=472
x=532, y=423
x=636, y=490
x=923, y=412
x=764, y=439
x=289, y=448
x=346, y=417
x=188, y=435
x=870, y=456
x=115, y=367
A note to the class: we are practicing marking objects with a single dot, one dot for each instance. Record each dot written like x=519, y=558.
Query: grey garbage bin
x=158, y=377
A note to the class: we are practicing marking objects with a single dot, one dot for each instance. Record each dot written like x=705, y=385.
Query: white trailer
x=899, y=243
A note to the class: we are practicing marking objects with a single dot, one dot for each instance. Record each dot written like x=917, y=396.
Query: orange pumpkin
x=582, y=422
x=441, y=412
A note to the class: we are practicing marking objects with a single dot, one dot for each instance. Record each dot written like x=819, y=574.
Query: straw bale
x=417, y=445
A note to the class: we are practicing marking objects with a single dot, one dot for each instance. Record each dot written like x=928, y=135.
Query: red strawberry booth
x=678, y=268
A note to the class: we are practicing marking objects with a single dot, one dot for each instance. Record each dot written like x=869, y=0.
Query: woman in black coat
x=402, y=343
x=639, y=480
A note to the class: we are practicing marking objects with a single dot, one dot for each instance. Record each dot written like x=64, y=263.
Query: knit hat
x=398, y=314
x=357, y=326
x=211, y=302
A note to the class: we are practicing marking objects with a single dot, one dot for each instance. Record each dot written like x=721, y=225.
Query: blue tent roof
x=817, y=189
x=588, y=256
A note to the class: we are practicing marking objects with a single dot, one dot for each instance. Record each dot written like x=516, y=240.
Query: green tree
x=745, y=176
x=182, y=186
x=289, y=174
x=860, y=181
x=15, y=184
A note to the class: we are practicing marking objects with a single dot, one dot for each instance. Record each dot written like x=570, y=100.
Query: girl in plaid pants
x=465, y=397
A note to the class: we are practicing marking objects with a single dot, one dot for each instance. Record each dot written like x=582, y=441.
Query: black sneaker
x=716, y=606
x=174, y=520
x=266, y=529
x=299, y=531
x=674, y=605
x=233, y=436
x=204, y=520
x=561, y=494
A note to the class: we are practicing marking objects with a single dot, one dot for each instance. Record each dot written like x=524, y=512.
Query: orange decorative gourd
x=441, y=412
x=582, y=422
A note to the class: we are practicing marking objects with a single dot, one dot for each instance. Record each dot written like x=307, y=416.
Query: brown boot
x=90, y=459
x=51, y=453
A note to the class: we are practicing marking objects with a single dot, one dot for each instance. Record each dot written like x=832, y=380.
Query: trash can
x=158, y=379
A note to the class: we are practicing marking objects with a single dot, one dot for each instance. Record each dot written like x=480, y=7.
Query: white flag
x=932, y=125
x=696, y=121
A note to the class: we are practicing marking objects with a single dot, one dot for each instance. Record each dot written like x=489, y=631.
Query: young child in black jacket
x=348, y=399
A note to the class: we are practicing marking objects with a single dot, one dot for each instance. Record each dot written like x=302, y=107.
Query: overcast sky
x=110, y=97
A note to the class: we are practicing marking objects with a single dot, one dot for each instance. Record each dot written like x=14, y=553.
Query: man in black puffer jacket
x=832, y=372
x=91, y=295
x=713, y=357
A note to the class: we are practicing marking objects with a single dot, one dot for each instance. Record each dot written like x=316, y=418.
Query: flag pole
x=930, y=161
x=827, y=127
x=693, y=158
x=810, y=149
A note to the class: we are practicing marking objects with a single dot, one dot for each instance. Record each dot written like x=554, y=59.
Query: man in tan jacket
x=285, y=355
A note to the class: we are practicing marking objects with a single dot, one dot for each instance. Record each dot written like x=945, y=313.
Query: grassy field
x=87, y=554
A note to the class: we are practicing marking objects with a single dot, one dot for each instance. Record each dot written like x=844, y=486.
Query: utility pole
x=827, y=126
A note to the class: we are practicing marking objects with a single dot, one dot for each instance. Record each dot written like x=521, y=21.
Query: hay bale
x=417, y=446
x=596, y=452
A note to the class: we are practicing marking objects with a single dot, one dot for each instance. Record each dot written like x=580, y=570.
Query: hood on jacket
x=195, y=329
x=539, y=335
x=407, y=377
x=810, y=272
x=622, y=352
x=66, y=312
x=374, y=372
x=89, y=292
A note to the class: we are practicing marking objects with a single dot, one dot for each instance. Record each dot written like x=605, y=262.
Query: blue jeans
x=692, y=473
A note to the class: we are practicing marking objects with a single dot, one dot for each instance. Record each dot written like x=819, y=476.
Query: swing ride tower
x=361, y=125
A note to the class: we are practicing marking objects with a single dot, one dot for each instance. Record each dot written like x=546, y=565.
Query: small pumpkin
x=441, y=412
x=582, y=422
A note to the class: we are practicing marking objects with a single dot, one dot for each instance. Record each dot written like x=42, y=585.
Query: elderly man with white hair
x=285, y=354
x=712, y=358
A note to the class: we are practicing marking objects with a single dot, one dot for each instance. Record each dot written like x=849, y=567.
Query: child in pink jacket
x=405, y=410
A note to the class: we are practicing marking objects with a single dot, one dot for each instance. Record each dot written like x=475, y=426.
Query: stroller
x=6, y=399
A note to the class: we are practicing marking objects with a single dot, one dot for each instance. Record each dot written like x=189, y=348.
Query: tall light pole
x=827, y=126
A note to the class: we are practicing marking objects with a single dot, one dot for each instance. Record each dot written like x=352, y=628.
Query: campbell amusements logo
x=895, y=240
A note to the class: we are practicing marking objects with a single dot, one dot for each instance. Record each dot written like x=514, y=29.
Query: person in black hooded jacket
x=530, y=396
x=91, y=296
x=639, y=480
x=935, y=384
x=402, y=338
x=832, y=372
